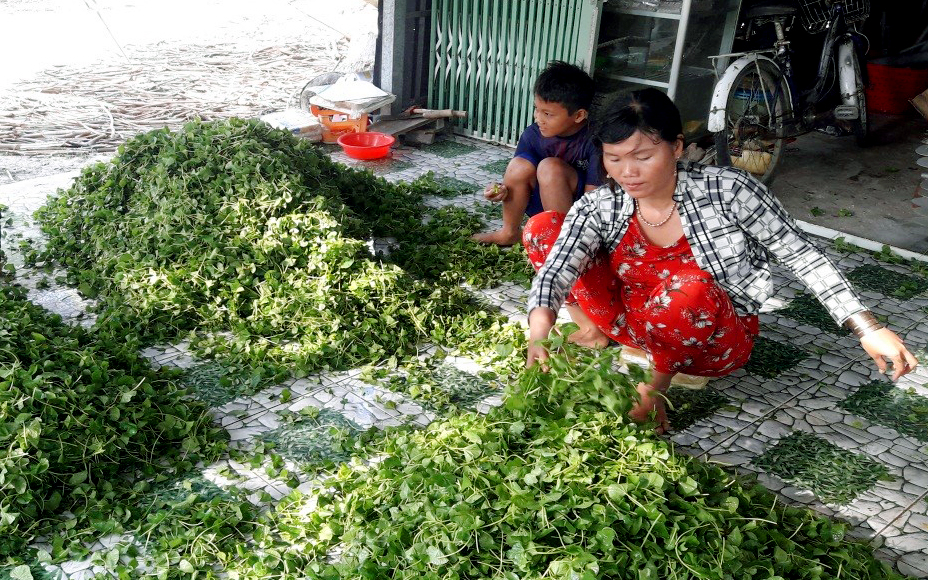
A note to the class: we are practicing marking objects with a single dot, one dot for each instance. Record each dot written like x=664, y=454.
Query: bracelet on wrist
x=863, y=323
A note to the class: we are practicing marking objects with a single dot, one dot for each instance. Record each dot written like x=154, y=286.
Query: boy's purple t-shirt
x=576, y=150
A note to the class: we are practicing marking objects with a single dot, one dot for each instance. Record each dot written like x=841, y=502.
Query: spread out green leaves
x=216, y=384
x=449, y=187
x=498, y=166
x=258, y=244
x=888, y=282
x=555, y=483
x=769, y=358
x=833, y=474
x=886, y=404
x=807, y=309
x=436, y=384
x=687, y=406
x=84, y=422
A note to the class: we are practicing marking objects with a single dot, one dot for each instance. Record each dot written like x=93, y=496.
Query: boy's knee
x=553, y=168
x=520, y=171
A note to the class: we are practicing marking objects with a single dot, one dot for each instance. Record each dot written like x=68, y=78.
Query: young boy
x=555, y=162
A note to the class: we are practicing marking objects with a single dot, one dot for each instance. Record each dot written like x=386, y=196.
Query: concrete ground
x=822, y=179
x=867, y=192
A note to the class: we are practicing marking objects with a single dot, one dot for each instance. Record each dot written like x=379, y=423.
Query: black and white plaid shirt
x=729, y=219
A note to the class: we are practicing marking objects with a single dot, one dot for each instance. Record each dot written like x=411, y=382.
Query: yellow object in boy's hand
x=496, y=192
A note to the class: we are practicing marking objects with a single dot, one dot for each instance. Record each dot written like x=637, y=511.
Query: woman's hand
x=536, y=354
x=652, y=399
x=540, y=322
x=883, y=344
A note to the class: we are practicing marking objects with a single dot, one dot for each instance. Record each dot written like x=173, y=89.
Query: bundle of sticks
x=98, y=107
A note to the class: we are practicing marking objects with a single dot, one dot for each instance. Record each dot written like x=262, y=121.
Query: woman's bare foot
x=588, y=335
x=591, y=337
x=499, y=237
x=651, y=400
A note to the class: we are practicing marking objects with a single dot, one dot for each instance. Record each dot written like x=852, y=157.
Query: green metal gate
x=487, y=54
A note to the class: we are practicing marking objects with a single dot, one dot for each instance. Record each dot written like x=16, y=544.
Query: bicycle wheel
x=753, y=135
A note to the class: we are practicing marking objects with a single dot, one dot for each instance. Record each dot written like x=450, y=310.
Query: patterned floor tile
x=313, y=437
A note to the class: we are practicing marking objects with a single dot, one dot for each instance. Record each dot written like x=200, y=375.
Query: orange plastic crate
x=335, y=123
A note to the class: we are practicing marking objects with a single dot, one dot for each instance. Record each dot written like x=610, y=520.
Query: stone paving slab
x=881, y=512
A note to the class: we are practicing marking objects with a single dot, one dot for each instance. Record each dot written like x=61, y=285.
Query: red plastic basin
x=370, y=145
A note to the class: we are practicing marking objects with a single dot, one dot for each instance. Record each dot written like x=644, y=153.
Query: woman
x=671, y=258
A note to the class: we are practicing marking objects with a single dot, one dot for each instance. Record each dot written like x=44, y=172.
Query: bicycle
x=756, y=106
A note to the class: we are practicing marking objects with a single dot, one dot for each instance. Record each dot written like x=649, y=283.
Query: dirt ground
x=119, y=67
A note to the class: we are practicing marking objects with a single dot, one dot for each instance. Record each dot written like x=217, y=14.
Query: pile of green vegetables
x=84, y=423
x=257, y=240
x=556, y=484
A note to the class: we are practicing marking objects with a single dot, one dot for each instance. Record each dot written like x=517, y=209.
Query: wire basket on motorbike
x=815, y=14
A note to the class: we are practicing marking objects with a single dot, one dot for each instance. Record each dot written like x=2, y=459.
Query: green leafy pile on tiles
x=436, y=383
x=259, y=243
x=888, y=282
x=835, y=475
x=770, y=358
x=219, y=227
x=84, y=424
x=687, y=406
x=886, y=404
x=807, y=309
x=557, y=483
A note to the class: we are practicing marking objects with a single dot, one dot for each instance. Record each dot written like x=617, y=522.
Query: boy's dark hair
x=565, y=84
x=647, y=110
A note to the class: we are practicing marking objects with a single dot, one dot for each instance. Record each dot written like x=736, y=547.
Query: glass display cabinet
x=664, y=44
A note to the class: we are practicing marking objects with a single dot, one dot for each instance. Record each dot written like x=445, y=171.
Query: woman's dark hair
x=565, y=84
x=648, y=110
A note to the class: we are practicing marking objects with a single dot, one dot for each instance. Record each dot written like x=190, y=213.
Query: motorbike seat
x=769, y=8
